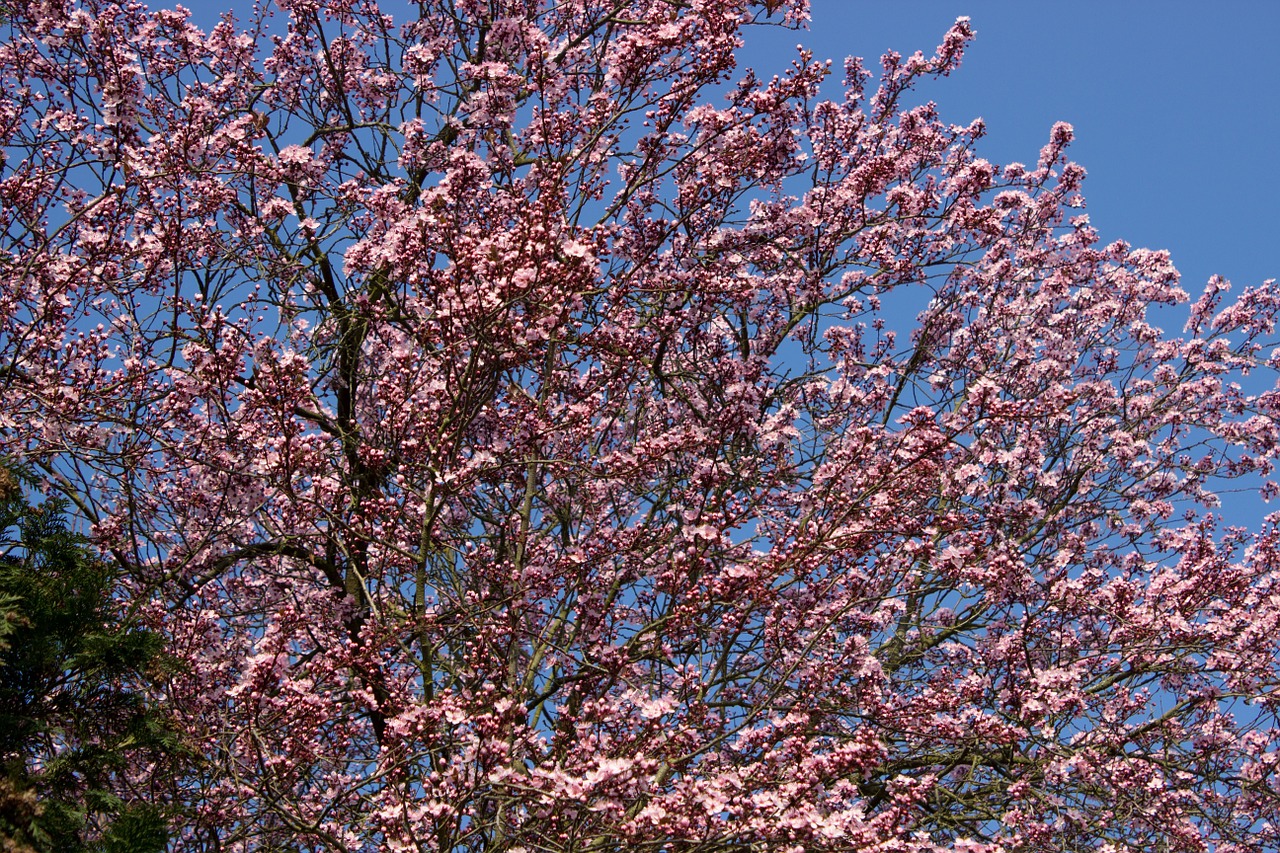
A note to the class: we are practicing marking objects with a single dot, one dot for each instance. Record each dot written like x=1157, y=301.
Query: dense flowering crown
x=501, y=414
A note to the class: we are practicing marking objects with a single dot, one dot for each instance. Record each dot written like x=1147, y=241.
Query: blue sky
x=1176, y=107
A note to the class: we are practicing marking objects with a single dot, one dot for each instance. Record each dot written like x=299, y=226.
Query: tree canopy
x=528, y=430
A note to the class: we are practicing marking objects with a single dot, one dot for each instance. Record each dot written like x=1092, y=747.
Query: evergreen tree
x=77, y=731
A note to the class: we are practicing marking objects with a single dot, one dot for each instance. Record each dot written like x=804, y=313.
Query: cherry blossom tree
x=532, y=431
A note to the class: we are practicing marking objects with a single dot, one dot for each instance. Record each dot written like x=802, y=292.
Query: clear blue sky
x=1176, y=106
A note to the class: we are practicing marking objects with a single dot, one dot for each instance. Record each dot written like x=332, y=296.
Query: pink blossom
x=509, y=427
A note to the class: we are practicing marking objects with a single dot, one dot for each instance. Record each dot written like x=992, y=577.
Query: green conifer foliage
x=77, y=731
